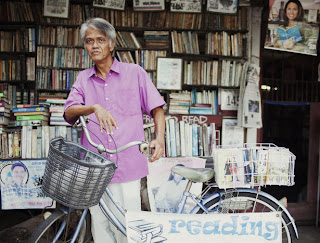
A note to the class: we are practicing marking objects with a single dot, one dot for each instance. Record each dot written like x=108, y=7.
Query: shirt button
x=109, y=74
x=110, y=140
x=106, y=98
x=110, y=155
x=106, y=85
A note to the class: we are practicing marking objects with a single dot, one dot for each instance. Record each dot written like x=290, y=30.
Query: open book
x=292, y=33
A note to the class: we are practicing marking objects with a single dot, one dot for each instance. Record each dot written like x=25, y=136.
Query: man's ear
x=111, y=46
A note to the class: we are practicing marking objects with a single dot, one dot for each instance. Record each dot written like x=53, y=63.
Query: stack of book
x=200, y=109
x=157, y=39
x=179, y=103
x=56, y=112
x=5, y=107
x=31, y=115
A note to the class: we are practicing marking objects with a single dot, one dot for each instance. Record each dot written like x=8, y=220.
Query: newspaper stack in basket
x=250, y=166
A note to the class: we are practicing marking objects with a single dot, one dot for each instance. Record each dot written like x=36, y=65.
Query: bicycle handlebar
x=143, y=146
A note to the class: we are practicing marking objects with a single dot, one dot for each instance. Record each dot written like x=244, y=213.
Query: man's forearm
x=159, y=121
x=73, y=112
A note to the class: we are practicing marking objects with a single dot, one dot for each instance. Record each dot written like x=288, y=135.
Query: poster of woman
x=21, y=184
x=293, y=26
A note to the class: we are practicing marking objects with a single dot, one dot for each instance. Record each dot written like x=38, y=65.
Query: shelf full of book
x=212, y=46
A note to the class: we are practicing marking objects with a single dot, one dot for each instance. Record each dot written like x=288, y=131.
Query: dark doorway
x=287, y=125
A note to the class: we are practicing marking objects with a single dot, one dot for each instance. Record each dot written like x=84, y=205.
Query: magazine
x=229, y=168
x=292, y=33
x=21, y=184
x=279, y=165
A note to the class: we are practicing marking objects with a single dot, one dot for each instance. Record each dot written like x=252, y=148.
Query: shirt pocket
x=128, y=101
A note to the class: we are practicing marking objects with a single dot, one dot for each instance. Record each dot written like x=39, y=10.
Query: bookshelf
x=213, y=48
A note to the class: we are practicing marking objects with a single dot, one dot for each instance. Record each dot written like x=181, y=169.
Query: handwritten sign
x=190, y=228
x=185, y=6
x=190, y=119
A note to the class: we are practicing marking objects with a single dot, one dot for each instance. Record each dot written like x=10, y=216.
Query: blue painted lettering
x=194, y=227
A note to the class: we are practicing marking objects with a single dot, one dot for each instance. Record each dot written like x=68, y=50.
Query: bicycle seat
x=194, y=174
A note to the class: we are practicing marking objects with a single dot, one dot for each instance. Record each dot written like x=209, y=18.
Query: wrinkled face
x=292, y=11
x=18, y=174
x=97, y=45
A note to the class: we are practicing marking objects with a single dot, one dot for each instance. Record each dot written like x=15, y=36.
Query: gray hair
x=101, y=25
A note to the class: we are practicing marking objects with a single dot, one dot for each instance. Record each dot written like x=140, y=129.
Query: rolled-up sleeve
x=75, y=97
x=149, y=95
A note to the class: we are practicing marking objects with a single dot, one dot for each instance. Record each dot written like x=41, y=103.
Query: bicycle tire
x=263, y=204
x=49, y=227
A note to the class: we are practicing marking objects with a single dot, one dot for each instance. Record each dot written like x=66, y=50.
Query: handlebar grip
x=144, y=149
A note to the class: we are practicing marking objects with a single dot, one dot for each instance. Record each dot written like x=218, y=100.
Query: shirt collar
x=115, y=68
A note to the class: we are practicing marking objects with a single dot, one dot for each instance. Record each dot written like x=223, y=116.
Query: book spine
x=28, y=109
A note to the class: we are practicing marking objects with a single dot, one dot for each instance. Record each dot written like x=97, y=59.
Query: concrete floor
x=308, y=234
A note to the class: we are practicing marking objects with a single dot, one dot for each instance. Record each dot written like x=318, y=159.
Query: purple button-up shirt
x=126, y=91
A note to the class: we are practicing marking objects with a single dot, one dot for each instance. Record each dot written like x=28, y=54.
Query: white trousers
x=128, y=196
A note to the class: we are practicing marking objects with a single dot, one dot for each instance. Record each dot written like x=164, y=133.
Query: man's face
x=18, y=174
x=97, y=45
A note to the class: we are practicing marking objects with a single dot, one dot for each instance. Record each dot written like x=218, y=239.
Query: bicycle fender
x=261, y=193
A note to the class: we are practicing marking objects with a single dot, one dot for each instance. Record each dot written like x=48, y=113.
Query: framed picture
x=222, y=6
x=145, y=5
x=169, y=73
x=56, y=8
x=112, y=4
x=185, y=6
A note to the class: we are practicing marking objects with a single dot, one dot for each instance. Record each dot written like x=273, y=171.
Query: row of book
x=127, y=40
x=57, y=79
x=185, y=42
x=33, y=12
x=59, y=36
x=201, y=72
x=184, y=139
x=225, y=44
x=18, y=69
x=33, y=142
x=17, y=95
x=22, y=40
x=63, y=57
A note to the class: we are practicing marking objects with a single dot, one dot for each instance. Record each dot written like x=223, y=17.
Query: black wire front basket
x=74, y=175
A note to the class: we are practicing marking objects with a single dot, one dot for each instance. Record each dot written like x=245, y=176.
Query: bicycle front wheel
x=242, y=202
x=66, y=223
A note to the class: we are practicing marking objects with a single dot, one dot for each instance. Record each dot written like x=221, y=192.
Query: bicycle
x=212, y=200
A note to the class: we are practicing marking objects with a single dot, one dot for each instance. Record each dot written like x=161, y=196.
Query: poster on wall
x=293, y=26
x=21, y=184
x=189, y=228
x=222, y=6
x=56, y=8
x=185, y=6
x=111, y=4
x=144, y=5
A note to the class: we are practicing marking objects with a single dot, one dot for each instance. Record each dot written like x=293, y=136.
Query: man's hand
x=157, y=150
x=105, y=119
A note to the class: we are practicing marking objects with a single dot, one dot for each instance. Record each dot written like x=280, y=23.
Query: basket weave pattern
x=74, y=175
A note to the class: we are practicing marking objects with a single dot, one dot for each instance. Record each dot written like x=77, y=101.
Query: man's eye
x=101, y=40
x=89, y=41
